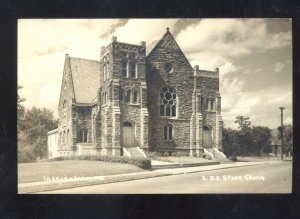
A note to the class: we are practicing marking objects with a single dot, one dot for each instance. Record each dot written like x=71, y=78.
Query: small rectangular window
x=212, y=103
x=128, y=96
x=124, y=69
x=82, y=136
x=121, y=95
x=135, y=97
x=104, y=72
x=132, y=69
x=168, y=133
x=206, y=103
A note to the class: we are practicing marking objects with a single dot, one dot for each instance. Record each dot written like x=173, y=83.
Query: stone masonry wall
x=115, y=111
x=65, y=125
x=180, y=78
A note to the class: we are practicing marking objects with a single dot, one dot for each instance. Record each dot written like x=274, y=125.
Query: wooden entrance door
x=207, y=139
x=128, y=134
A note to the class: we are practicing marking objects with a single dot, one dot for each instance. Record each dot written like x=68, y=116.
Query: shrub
x=26, y=155
x=166, y=154
x=207, y=156
x=152, y=154
x=139, y=162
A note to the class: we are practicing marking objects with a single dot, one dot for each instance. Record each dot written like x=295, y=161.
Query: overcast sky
x=254, y=57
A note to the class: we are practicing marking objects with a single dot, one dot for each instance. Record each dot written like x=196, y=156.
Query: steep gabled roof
x=86, y=79
x=151, y=47
x=167, y=41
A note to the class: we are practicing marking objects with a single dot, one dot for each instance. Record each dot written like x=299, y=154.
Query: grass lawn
x=35, y=172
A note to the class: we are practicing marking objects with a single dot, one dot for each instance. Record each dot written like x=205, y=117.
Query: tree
x=33, y=125
x=244, y=134
x=37, y=122
x=287, y=137
x=230, y=142
x=20, y=106
x=261, y=139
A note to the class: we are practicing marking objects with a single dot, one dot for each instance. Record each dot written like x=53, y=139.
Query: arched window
x=127, y=124
x=168, y=102
x=205, y=128
x=168, y=132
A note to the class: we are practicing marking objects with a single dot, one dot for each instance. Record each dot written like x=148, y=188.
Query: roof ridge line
x=84, y=59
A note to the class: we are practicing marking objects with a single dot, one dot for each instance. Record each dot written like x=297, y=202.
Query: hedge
x=139, y=162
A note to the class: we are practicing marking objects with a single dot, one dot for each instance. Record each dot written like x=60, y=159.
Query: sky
x=254, y=57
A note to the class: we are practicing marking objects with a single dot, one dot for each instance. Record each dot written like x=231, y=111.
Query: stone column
x=192, y=136
x=144, y=121
x=116, y=117
x=217, y=131
x=198, y=134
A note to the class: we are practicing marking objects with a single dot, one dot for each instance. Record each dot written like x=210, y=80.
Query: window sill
x=209, y=110
x=169, y=117
x=130, y=78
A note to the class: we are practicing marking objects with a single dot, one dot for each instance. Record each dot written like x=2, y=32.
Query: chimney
x=114, y=39
x=217, y=70
x=196, y=67
x=143, y=44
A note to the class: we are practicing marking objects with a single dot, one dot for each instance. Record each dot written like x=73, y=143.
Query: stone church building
x=136, y=100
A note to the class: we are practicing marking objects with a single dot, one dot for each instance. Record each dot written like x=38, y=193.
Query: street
x=264, y=178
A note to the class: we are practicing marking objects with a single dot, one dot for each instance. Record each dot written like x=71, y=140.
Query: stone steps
x=134, y=152
x=219, y=156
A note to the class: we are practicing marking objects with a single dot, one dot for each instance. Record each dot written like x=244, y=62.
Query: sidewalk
x=87, y=181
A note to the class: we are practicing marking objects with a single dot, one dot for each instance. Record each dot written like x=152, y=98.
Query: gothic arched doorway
x=128, y=134
x=206, y=136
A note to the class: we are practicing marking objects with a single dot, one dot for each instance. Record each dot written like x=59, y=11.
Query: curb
x=229, y=167
x=118, y=178
x=170, y=166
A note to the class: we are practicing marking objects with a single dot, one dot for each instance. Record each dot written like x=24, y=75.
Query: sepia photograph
x=155, y=106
